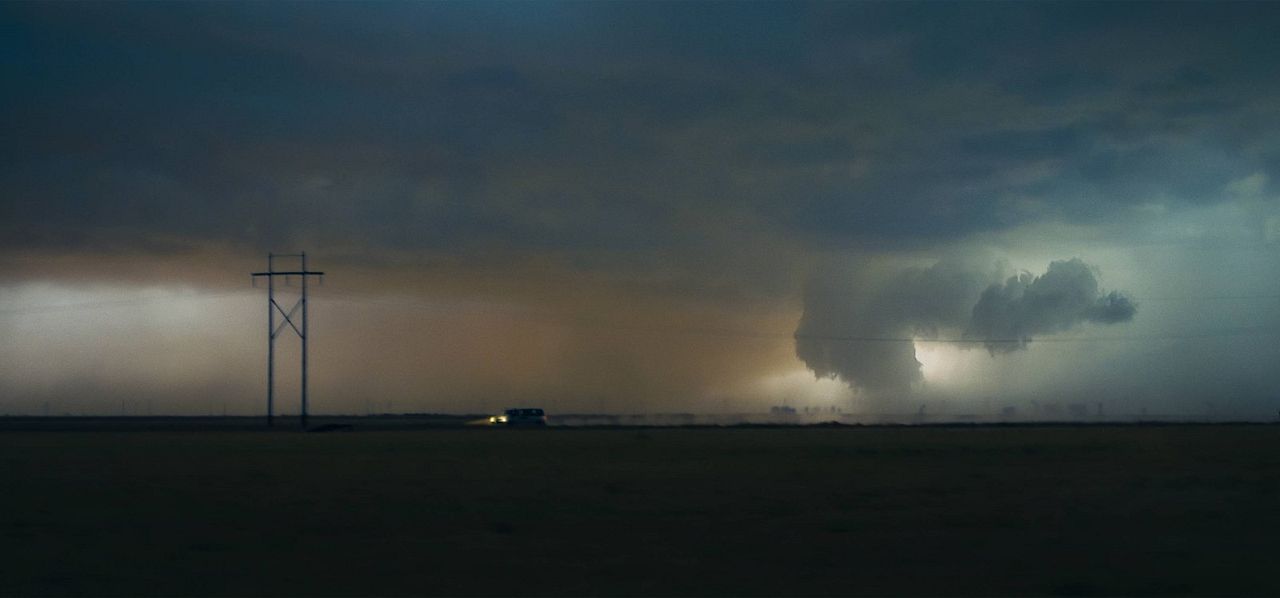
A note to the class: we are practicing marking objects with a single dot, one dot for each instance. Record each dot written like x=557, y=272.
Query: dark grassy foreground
x=841, y=511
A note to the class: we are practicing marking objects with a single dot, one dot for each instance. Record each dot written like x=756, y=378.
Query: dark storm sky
x=633, y=174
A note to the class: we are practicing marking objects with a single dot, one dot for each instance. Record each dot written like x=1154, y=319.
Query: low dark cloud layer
x=585, y=128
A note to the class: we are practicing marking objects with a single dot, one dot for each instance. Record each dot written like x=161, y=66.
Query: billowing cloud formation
x=858, y=325
x=1025, y=305
x=850, y=319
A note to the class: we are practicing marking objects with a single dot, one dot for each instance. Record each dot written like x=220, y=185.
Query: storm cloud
x=770, y=190
x=1007, y=315
x=859, y=326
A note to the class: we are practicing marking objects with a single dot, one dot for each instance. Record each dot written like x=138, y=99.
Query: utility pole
x=299, y=327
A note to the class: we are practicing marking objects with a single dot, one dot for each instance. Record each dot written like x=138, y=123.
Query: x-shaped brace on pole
x=288, y=319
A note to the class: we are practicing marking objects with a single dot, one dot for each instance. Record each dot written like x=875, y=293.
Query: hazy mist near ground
x=202, y=351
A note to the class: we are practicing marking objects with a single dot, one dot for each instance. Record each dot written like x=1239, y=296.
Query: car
x=520, y=417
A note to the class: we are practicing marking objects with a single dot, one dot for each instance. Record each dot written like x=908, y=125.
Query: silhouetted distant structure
x=299, y=327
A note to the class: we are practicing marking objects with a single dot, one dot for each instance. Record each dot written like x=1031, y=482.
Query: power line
x=1203, y=334
x=331, y=294
x=113, y=303
x=582, y=321
x=852, y=296
x=383, y=300
x=1193, y=299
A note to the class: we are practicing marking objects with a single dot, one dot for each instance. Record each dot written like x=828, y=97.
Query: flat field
x=1075, y=510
